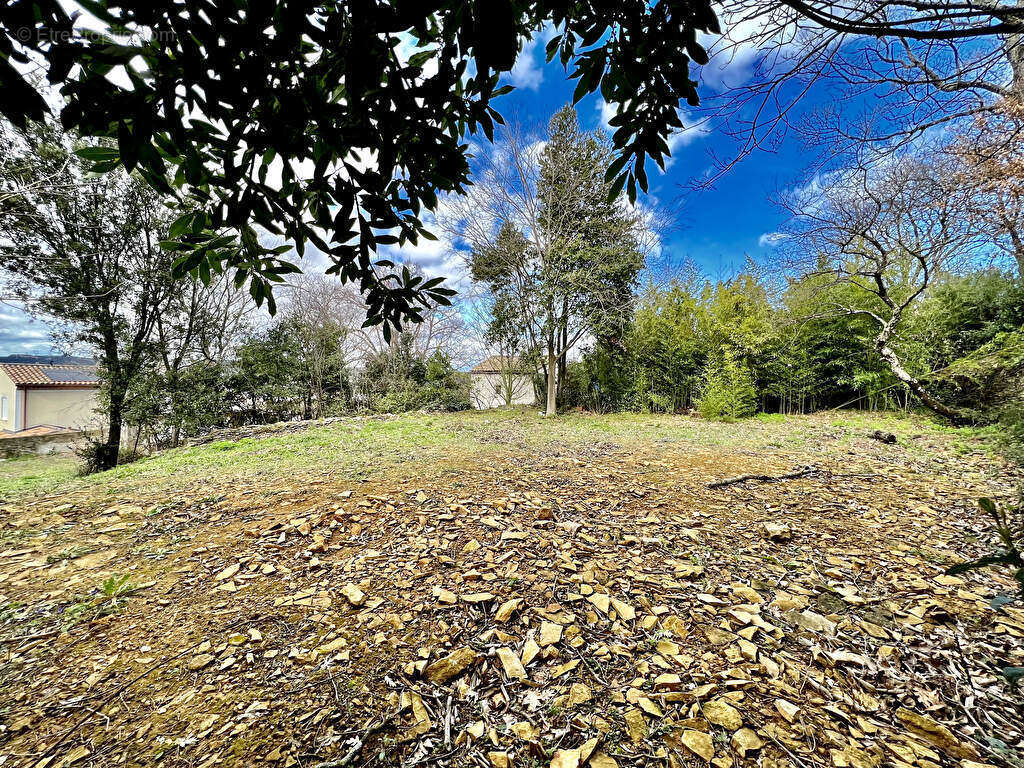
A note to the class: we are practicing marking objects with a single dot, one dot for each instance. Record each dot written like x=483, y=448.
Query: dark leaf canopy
x=332, y=124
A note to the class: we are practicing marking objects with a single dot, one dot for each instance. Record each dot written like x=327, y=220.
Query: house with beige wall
x=499, y=381
x=44, y=394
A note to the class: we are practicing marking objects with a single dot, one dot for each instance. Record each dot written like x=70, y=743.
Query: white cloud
x=771, y=239
x=527, y=72
x=20, y=333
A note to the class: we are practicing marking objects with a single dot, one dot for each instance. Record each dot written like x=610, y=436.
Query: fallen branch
x=803, y=472
x=26, y=638
x=118, y=691
x=369, y=733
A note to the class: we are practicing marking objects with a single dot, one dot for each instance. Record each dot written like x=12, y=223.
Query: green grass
x=35, y=474
x=432, y=443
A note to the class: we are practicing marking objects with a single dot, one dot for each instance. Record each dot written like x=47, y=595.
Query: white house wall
x=488, y=390
x=73, y=408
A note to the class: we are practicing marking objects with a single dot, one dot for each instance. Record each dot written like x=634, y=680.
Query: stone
x=200, y=661
x=578, y=694
x=455, y=662
x=745, y=740
x=699, y=743
x=530, y=651
x=506, y=609
x=777, y=531
x=937, y=734
x=566, y=758
x=510, y=663
x=721, y=713
x=813, y=622
x=353, y=594
x=550, y=633
x=635, y=725
x=787, y=709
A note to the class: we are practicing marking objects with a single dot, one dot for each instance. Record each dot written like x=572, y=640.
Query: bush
x=399, y=380
x=727, y=389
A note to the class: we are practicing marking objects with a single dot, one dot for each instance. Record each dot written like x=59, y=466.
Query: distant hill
x=47, y=360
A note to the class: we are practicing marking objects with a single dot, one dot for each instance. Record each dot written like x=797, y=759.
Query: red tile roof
x=499, y=364
x=40, y=431
x=51, y=375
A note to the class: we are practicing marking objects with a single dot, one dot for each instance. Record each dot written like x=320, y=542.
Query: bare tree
x=886, y=233
x=988, y=160
x=925, y=63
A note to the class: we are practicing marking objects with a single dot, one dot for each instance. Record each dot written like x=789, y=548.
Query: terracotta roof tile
x=499, y=363
x=50, y=375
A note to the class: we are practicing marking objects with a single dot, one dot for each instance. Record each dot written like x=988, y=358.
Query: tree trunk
x=552, y=406
x=915, y=386
x=107, y=453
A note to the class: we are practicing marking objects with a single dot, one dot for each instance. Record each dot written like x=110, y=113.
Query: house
x=501, y=380
x=40, y=392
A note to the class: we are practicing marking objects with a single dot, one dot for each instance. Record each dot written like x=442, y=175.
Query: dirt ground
x=517, y=594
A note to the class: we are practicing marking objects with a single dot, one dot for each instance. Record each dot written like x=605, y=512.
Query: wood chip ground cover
x=581, y=600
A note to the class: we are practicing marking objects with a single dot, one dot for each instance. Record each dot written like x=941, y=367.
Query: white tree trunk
x=552, y=382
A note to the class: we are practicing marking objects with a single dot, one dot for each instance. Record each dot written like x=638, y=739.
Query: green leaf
x=1013, y=674
x=97, y=154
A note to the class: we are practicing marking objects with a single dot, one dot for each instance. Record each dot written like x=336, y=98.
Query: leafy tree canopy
x=332, y=124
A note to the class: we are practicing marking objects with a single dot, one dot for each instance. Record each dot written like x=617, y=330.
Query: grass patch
x=35, y=474
x=430, y=444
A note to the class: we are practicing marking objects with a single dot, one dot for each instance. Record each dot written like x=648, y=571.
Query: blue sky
x=715, y=228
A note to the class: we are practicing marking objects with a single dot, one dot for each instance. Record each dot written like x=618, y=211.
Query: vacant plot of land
x=496, y=589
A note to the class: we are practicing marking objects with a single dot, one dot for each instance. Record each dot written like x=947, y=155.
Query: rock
x=937, y=734
x=748, y=594
x=550, y=633
x=578, y=694
x=814, y=622
x=507, y=608
x=635, y=725
x=853, y=757
x=603, y=760
x=587, y=749
x=455, y=662
x=530, y=651
x=718, y=636
x=566, y=758
x=421, y=720
x=777, y=531
x=353, y=594
x=601, y=602
x=847, y=657
x=745, y=740
x=524, y=730
x=478, y=597
x=668, y=682
x=721, y=713
x=510, y=663
x=787, y=709
x=625, y=610
x=747, y=649
x=699, y=743
x=445, y=596
x=200, y=661
x=649, y=707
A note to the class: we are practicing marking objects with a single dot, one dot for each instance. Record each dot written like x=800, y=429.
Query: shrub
x=727, y=389
x=398, y=380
